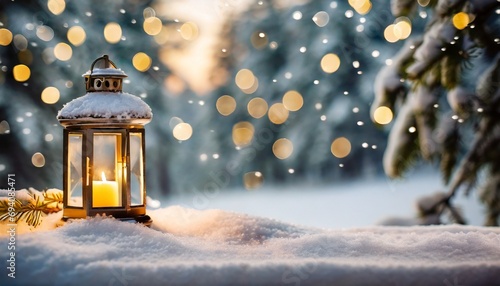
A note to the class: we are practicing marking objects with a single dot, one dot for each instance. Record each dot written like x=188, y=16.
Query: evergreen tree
x=449, y=102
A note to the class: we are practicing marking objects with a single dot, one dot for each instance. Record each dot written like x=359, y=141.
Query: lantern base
x=143, y=219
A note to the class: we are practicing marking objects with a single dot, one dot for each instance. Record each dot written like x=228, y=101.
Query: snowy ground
x=205, y=246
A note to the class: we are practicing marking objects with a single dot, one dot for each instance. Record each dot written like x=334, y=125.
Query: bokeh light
x=182, y=131
x=257, y=107
x=282, y=148
x=5, y=37
x=292, y=100
x=20, y=42
x=321, y=18
x=341, y=147
x=461, y=20
x=253, y=180
x=76, y=35
x=243, y=133
x=330, y=63
x=361, y=6
x=277, y=113
x=38, y=160
x=50, y=95
x=56, y=7
x=259, y=40
x=226, y=105
x=390, y=35
x=382, y=115
x=113, y=32
x=402, y=28
x=244, y=79
x=44, y=33
x=141, y=61
x=21, y=73
x=189, y=31
x=63, y=52
x=152, y=26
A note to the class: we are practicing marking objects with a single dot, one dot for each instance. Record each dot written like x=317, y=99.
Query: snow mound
x=213, y=247
x=106, y=105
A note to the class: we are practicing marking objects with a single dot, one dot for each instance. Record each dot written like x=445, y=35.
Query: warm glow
x=105, y=193
x=226, y=105
x=361, y=6
x=103, y=176
x=330, y=63
x=292, y=100
x=243, y=133
x=152, y=26
x=253, y=180
x=282, y=148
x=113, y=33
x=56, y=6
x=182, y=131
x=382, y=115
x=50, y=95
x=259, y=40
x=63, y=52
x=174, y=84
x=390, y=35
x=341, y=147
x=76, y=35
x=244, y=79
x=38, y=160
x=141, y=61
x=257, y=107
x=189, y=31
x=402, y=28
x=21, y=73
x=278, y=114
x=461, y=20
x=321, y=18
x=5, y=37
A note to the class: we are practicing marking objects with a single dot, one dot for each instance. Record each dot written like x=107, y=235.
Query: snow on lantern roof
x=95, y=106
x=116, y=72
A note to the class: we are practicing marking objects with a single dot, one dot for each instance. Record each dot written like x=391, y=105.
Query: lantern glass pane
x=75, y=170
x=136, y=169
x=107, y=170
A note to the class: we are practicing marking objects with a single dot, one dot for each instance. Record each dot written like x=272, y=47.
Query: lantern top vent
x=104, y=76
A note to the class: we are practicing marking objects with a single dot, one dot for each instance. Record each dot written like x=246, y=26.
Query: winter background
x=254, y=189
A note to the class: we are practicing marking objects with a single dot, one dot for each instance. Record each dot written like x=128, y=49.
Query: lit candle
x=105, y=193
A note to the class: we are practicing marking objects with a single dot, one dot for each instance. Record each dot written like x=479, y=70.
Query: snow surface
x=215, y=247
x=106, y=105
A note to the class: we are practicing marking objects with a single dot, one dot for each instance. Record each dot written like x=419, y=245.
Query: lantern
x=104, y=148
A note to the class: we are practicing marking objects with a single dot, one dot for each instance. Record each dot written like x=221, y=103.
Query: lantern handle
x=107, y=63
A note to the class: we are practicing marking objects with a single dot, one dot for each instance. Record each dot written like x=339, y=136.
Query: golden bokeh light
x=253, y=180
x=50, y=95
x=292, y=100
x=402, y=28
x=282, y=148
x=21, y=73
x=56, y=7
x=5, y=37
x=382, y=115
x=244, y=79
x=76, y=35
x=361, y=6
x=259, y=40
x=226, y=105
x=152, y=26
x=141, y=61
x=243, y=133
x=38, y=160
x=330, y=63
x=63, y=52
x=189, y=31
x=253, y=88
x=341, y=147
x=278, y=114
x=390, y=35
x=461, y=20
x=257, y=107
x=113, y=32
x=182, y=131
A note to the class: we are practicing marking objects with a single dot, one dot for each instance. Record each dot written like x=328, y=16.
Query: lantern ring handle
x=107, y=61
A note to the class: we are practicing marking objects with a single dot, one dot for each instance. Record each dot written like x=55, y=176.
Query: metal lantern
x=104, y=148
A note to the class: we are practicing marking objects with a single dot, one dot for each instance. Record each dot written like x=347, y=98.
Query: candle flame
x=103, y=177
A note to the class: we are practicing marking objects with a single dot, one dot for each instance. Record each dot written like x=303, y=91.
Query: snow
x=106, y=105
x=106, y=71
x=215, y=247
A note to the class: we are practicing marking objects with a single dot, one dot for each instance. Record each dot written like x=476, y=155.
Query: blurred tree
x=457, y=56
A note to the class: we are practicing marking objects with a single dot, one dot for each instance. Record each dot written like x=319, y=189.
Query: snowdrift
x=214, y=247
